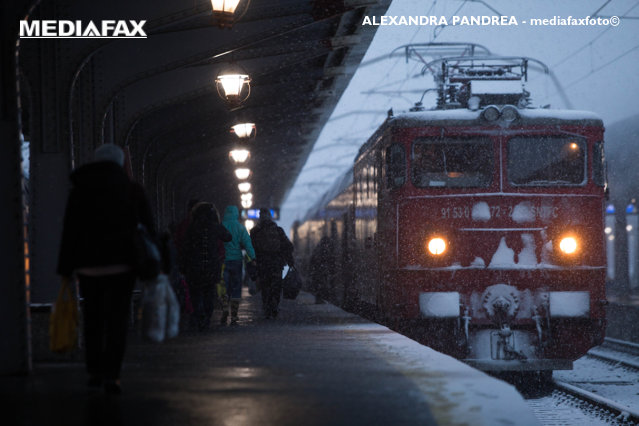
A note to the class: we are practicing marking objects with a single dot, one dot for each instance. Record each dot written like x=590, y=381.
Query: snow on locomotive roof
x=561, y=114
x=461, y=117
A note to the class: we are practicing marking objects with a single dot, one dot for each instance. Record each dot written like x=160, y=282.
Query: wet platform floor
x=314, y=365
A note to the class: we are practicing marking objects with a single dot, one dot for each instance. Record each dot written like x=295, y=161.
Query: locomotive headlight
x=568, y=245
x=436, y=246
x=509, y=113
x=491, y=113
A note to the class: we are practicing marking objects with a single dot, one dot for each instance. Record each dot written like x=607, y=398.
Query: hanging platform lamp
x=234, y=88
x=226, y=12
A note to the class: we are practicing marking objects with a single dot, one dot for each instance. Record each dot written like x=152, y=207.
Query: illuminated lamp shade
x=233, y=88
x=239, y=155
x=242, y=173
x=247, y=203
x=225, y=6
x=249, y=224
x=225, y=12
x=244, y=187
x=248, y=196
x=244, y=130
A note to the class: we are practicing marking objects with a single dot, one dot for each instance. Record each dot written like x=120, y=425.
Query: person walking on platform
x=273, y=250
x=101, y=217
x=322, y=267
x=203, y=260
x=233, y=261
x=179, y=234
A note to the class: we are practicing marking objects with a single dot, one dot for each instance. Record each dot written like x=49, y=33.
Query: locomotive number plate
x=496, y=347
x=483, y=212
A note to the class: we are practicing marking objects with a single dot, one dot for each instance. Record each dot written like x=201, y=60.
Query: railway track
x=618, y=351
x=622, y=345
x=598, y=391
x=602, y=405
x=566, y=404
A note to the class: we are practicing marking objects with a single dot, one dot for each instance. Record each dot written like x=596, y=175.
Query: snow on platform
x=454, y=392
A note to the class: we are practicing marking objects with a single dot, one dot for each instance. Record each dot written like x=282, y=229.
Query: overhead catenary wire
x=602, y=6
x=597, y=37
x=594, y=70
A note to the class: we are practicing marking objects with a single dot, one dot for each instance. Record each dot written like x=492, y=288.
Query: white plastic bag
x=160, y=310
x=285, y=271
x=154, y=310
x=173, y=311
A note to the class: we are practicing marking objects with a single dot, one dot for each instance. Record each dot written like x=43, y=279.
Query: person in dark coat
x=273, y=250
x=322, y=267
x=179, y=234
x=102, y=213
x=203, y=260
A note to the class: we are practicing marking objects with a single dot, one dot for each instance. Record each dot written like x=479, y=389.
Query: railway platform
x=314, y=365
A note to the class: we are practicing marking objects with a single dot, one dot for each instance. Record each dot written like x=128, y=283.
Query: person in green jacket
x=233, y=260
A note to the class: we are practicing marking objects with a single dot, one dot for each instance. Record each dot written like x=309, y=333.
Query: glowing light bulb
x=242, y=173
x=239, y=155
x=243, y=130
x=227, y=6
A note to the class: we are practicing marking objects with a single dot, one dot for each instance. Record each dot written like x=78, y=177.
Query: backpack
x=202, y=254
x=267, y=240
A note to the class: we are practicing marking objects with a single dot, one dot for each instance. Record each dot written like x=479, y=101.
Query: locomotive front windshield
x=547, y=161
x=452, y=162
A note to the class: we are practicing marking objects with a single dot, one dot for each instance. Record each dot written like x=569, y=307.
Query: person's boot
x=235, y=306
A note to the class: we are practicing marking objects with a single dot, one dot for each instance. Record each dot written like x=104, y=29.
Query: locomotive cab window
x=395, y=166
x=547, y=161
x=452, y=162
x=599, y=165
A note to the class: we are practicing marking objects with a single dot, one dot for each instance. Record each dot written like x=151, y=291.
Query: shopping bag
x=63, y=323
x=154, y=311
x=220, y=291
x=173, y=309
x=252, y=286
x=251, y=270
x=291, y=284
x=160, y=310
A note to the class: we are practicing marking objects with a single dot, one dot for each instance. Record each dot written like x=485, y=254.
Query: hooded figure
x=203, y=263
x=102, y=213
x=233, y=260
x=273, y=250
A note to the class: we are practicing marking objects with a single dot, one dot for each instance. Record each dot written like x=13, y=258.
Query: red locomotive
x=476, y=227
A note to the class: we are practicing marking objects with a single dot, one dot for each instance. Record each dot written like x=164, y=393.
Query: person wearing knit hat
x=109, y=152
x=97, y=247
